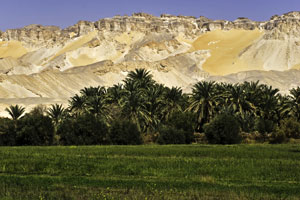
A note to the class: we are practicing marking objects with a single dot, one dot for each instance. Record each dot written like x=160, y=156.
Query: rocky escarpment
x=35, y=35
x=49, y=62
x=283, y=27
x=38, y=34
x=144, y=23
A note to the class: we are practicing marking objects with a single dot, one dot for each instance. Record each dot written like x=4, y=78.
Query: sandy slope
x=13, y=49
x=225, y=47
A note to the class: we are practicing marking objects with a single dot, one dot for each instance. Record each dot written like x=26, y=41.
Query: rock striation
x=37, y=34
x=51, y=63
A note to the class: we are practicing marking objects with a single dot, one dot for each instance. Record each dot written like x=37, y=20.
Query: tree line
x=140, y=110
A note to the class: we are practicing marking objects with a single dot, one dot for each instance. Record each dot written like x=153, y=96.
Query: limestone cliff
x=49, y=62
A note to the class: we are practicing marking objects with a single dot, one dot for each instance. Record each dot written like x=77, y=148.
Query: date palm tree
x=77, y=104
x=294, y=103
x=92, y=91
x=142, y=77
x=154, y=105
x=115, y=93
x=268, y=102
x=133, y=105
x=252, y=94
x=203, y=101
x=173, y=101
x=56, y=112
x=236, y=98
x=98, y=106
x=15, y=111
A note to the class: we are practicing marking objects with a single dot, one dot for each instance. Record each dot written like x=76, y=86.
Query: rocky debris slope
x=52, y=63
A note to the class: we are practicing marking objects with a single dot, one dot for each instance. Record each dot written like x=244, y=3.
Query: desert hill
x=47, y=64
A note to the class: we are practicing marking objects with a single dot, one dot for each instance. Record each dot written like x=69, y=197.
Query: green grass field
x=151, y=172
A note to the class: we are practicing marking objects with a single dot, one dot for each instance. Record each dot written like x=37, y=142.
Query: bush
x=171, y=135
x=85, y=129
x=200, y=138
x=252, y=137
x=124, y=133
x=278, y=137
x=264, y=126
x=247, y=138
x=35, y=129
x=7, y=132
x=291, y=128
x=186, y=122
x=179, y=129
x=223, y=129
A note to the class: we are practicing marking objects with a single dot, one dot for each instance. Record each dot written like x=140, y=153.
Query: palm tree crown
x=141, y=76
x=203, y=101
x=56, y=112
x=15, y=111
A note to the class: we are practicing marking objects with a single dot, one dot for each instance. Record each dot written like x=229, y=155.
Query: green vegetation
x=152, y=172
x=124, y=133
x=153, y=113
x=142, y=111
x=85, y=129
x=223, y=129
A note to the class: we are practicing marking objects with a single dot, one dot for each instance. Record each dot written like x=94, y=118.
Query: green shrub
x=293, y=141
x=252, y=137
x=264, y=126
x=150, y=138
x=35, y=129
x=124, y=133
x=7, y=132
x=85, y=129
x=186, y=122
x=223, y=129
x=291, y=128
x=200, y=138
x=171, y=135
x=179, y=129
x=278, y=137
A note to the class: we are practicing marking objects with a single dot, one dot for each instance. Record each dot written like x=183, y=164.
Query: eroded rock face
x=288, y=24
x=45, y=61
x=33, y=34
x=81, y=28
x=283, y=27
x=146, y=23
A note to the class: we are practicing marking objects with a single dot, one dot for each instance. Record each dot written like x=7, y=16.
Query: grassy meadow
x=257, y=171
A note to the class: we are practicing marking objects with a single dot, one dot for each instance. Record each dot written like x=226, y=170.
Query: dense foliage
x=35, y=129
x=145, y=108
x=84, y=129
x=178, y=129
x=171, y=135
x=223, y=129
x=124, y=132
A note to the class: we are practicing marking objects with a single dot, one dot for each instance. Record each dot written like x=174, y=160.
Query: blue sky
x=63, y=13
